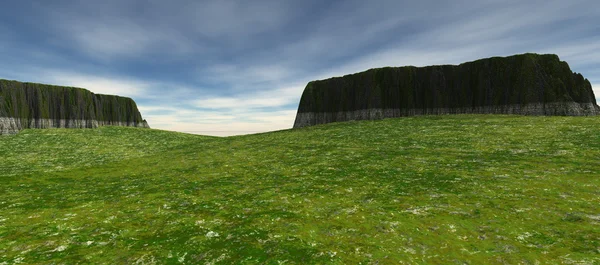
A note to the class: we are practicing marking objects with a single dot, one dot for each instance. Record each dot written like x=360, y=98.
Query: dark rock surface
x=525, y=84
x=31, y=105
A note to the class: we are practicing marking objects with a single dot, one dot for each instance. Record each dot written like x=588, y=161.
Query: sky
x=221, y=67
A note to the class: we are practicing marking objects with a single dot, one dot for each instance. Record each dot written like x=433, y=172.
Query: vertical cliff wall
x=30, y=105
x=526, y=84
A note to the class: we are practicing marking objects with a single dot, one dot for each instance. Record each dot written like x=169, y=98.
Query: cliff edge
x=525, y=84
x=31, y=105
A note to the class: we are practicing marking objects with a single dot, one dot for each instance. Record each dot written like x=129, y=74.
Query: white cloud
x=109, y=85
x=114, y=29
x=225, y=116
x=243, y=75
x=577, y=53
x=423, y=56
x=120, y=38
x=103, y=40
x=110, y=30
x=506, y=21
x=465, y=36
x=254, y=99
x=164, y=115
x=596, y=89
x=260, y=66
x=236, y=102
x=235, y=19
x=338, y=35
x=235, y=122
x=469, y=38
x=232, y=116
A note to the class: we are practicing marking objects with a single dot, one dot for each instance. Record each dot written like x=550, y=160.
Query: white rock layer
x=555, y=109
x=9, y=125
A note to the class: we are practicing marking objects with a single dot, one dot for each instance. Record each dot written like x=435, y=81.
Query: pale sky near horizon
x=236, y=67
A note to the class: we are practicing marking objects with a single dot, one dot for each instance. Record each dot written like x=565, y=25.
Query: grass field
x=466, y=189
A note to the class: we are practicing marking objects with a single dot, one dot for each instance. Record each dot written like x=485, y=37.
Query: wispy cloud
x=596, y=89
x=236, y=20
x=234, y=122
x=252, y=100
x=124, y=29
x=111, y=85
x=580, y=53
x=100, y=85
x=114, y=38
x=241, y=66
x=240, y=76
x=96, y=83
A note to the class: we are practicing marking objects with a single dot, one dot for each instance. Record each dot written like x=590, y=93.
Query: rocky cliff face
x=30, y=105
x=526, y=84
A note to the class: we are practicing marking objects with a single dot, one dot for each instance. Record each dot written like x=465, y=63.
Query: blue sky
x=235, y=67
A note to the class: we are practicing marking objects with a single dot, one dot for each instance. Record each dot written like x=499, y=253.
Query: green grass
x=466, y=189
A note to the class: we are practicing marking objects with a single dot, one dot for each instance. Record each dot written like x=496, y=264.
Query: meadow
x=455, y=189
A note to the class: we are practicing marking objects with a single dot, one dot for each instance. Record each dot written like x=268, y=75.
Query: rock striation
x=525, y=84
x=31, y=105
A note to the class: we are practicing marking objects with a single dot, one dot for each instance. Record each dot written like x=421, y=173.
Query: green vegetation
x=40, y=101
x=498, y=81
x=465, y=189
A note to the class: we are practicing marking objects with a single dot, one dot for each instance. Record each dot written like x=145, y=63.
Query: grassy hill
x=474, y=189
